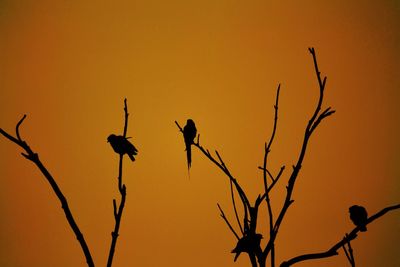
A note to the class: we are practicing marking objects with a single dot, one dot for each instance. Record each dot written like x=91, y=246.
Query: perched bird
x=122, y=146
x=248, y=243
x=189, y=133
x=359, y=216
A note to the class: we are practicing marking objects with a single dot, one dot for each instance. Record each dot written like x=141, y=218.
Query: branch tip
x=180, y=128
x=18, y=125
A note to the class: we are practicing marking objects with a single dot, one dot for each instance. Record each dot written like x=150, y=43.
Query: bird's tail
x=236, y=256
x=131, y=157
x=189, y=155
x=363, y=228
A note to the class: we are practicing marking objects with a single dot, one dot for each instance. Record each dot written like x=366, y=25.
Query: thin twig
x=334, y=249
x=17, y=127
x=180, y=128
x=275, y=180
x=122, y=190
x=351, y=253
x=239, y=189
x=353, y=261
x=234, y=207
x=115, y=208
x=347, y=254
x=268, y=172
x=34, y=157
x=232, y=195
x=227, y=222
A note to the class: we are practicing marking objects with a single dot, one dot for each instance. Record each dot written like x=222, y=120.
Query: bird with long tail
x=189, y=133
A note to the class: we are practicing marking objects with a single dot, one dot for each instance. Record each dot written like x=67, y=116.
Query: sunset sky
x=69, y=65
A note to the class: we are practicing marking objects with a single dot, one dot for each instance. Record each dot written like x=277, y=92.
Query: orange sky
x=70, y=65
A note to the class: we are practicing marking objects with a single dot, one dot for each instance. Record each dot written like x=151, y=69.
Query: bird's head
x=354, y=208
x=111, y=137
x=190, y=122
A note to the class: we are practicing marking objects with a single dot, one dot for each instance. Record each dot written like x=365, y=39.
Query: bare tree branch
x=221, y=165
x=17, y=127
x=234, y=207
x=349, y=252
x=267, y=149
x=227, y=221
x=233, y=196
x=275, y=180
x=181, y=130
x=34, y=157
x=126, y=117
x=316, y=118
x=122, y=190
x=334, y=249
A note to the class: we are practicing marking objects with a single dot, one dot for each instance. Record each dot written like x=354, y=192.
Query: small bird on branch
x=189, y=133
x=249, y=243
x=359, y=216
x=122, y=146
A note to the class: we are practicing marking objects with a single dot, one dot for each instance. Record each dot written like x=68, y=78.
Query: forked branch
x=257, y=256
x=117, y=211
x=34, y=157
x=334, y=249
x=267, y=149
x=315, y=120
x=221, y=165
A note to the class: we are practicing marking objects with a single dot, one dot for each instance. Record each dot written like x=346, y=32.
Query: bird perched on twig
x=189, y=133
x=122, y=146
x=248, y=243
x=359, y=216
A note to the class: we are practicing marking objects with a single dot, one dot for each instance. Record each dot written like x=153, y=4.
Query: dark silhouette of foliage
x=248, y=236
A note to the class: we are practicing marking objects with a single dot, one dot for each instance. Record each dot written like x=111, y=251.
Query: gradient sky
x=69, y=66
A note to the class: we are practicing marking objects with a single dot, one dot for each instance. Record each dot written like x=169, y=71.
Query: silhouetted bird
x=189, y=133
x=121, y=145
x=248, y=243
x=359, y=216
